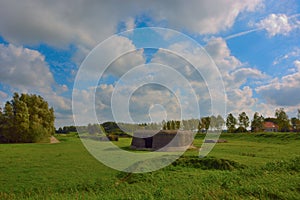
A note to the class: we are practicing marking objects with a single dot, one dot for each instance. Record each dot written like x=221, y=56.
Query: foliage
x=243, y=121
x=257, y=122
x=26, y=118
x=94, y=129
x=204, y=124
x=282, y=120
x=231, y=123
x=171, y=125
x=295, y=124
x=66, y=129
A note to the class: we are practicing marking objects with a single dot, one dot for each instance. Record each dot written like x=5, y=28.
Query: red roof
x=270, y=125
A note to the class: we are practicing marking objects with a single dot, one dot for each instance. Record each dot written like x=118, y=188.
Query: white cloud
x=240, y=100
x=276, y=24
x=60, y=23
x=217, y=48
x=297, y=65
x=130, y=23
x=237, y=78
x=241, y=75
x=120, y=56
x=283, y=91
x=24, y=69
x=294, y=53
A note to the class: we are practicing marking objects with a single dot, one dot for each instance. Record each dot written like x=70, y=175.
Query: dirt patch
x=53, y=140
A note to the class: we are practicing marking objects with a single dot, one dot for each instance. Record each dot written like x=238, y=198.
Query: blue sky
x=254, y=44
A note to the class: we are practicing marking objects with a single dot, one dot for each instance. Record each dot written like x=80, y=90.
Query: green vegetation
x=26, y=118
x=249, y=166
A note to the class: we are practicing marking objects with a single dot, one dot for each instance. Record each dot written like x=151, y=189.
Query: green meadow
x=248, y=166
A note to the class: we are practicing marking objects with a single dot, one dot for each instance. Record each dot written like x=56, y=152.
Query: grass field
x=261, y=166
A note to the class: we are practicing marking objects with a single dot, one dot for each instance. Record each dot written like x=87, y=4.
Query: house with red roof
x=270, y=127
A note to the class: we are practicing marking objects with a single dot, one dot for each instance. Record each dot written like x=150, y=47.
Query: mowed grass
x=270, y=165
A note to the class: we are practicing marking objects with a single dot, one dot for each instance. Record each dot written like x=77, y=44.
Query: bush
x=113, y=138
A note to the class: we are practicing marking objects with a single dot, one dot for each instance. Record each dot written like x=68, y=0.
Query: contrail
x=254, y=30
x=242, y=33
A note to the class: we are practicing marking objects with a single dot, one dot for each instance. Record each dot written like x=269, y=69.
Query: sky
x=254, y=47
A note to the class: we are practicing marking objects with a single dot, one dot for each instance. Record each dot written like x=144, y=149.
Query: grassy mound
x=207, y=163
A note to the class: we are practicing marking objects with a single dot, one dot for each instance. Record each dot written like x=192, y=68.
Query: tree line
x=26, y=118
x=234, y=125
x=281, y=119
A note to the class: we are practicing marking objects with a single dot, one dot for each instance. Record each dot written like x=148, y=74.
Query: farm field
x=248, y=166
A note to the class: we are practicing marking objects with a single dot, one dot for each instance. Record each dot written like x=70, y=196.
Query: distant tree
x=282, y=120
x=173, y=125
x=164, y=125
x=168, y=125
x=205, y=123
x=199, y=127
x=186, y=125
x=243, y=122
x=94, y=129
x=295, y=123
x=231, y=123
x=257, y=122
x=220, y=122
x=213, y=122
x=67, y=129
x=271, y=119
x=177, y=125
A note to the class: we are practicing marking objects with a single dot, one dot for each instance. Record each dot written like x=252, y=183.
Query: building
x=162, y=140
x=270, y=127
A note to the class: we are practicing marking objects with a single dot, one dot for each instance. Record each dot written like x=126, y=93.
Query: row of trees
x=281, y=119
x=26, y=118
x=234, y=125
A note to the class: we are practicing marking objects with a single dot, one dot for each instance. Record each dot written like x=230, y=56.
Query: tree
x=168, y=125
x=186, y=125
x=21, y=120
x=282, y=120
x=295, y=123
x=26, y=118
x=177, y=125
x=7, y=123
x=231, y=123
x=243, y=122
x=205, y=122
x=257, y=122
x=94, y=129
x=220, y=122
x=172, y=125
x=213, y=122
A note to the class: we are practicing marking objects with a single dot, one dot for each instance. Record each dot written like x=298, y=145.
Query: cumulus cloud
x=24, y=69
x=276, y=24
x=60, y=23
x=238, y=79
x=283, y=91
x=217, y=48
